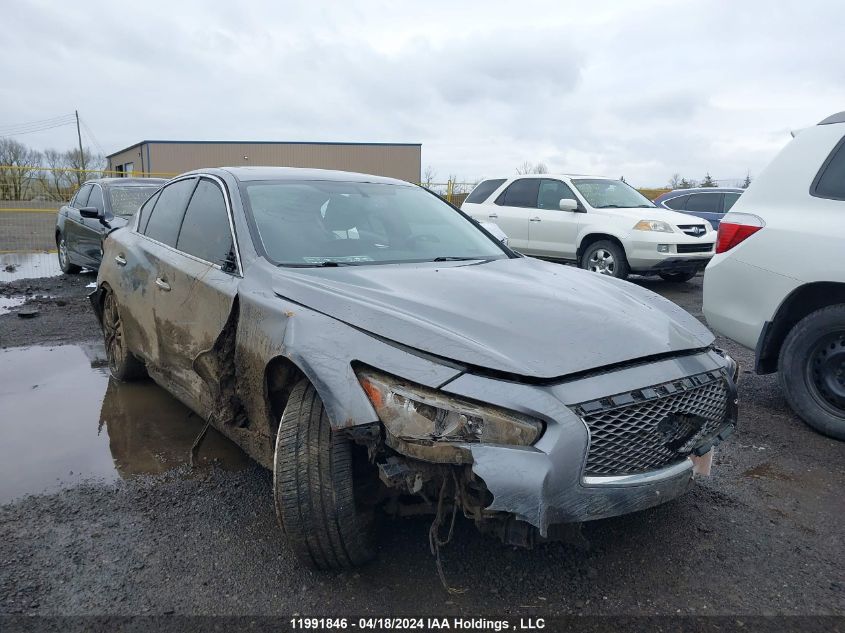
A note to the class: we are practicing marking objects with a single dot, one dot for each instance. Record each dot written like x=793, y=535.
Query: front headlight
x=654, y=225
x=431, y=425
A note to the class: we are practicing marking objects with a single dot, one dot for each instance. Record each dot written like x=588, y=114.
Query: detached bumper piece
x=653, y=428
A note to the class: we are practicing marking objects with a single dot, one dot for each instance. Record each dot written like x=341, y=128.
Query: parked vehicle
x=602, y=224
x=707, y=203
x=376, y=348
x=777, y=284
x=99, y=205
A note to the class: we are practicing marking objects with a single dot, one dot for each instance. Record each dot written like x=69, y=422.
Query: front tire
x=122, y=364
x=64, y=258
x=812, y=370
x=678, y=278
x=313, y=488
x=606, y=258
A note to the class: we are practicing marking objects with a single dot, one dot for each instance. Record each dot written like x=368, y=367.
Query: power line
x=15, y=126
x=32, y=131
x=93, y=138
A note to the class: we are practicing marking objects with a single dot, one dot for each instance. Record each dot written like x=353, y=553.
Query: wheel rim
x=826, y=372
x=63, y=252
x=601, y=261
x=112, y=332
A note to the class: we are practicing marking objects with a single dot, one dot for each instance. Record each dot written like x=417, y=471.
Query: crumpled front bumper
x=545, y=484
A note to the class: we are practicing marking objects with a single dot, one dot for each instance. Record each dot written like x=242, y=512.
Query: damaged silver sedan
x=383, y=353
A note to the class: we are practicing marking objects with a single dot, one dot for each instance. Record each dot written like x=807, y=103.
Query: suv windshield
x=327, y=223
x=601, y=193
x=126, y=200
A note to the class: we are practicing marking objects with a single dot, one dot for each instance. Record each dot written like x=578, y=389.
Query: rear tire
x=122, y=364
x=678, y=278
x=606, y=258
x=64, y=257
x=812, y=370
x=313, y=488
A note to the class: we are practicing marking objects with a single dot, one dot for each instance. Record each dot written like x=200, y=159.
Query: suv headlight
x=434, y=426
x=654, y=225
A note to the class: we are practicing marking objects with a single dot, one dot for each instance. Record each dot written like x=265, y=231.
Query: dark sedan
x=83, y=221
x=708, y=203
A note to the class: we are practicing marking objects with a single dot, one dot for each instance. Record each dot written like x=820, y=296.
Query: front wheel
x=812, y=370
x=64, y=258
x=606, y=258
x=678, y=278
x=314, y=490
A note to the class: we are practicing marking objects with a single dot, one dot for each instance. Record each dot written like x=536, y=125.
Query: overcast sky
x=641, y=89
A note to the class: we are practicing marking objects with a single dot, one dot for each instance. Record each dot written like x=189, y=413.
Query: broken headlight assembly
x=434, y=426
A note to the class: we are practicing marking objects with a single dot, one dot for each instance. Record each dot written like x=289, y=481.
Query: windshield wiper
x=456, y=259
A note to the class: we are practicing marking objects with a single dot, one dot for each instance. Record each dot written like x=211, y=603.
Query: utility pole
x=79, y=138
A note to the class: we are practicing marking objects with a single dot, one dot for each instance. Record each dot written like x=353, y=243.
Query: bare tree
x=18, y=166
x=86, y=166
x=530, y=168
x=675, y=181
x=428, y=177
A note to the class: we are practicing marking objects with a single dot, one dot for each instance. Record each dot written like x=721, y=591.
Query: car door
x=196, y=288
x=705, y=205
x=552, y=232
x=511, y=211
x=91, y=231
x=74, y=227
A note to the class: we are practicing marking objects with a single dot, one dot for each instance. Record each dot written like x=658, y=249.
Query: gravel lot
x=763, y=535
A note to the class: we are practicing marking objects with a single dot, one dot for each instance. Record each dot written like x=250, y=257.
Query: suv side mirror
x=568, y=204
x=93, y=213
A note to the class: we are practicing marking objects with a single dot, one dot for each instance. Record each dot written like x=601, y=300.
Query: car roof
x=839, y=117
x=569, y=176
x=681, y=192
x=246, y=174
x=127, y=181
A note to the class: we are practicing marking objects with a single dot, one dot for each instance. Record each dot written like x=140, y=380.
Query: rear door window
x=677, y=203
x=704, y=203
x=551, y=192
x=520, y=193
x=205, y=230
x=830, y=181
x=166, y=217
x=483, y=190
x=730, y=200
x=81, y=198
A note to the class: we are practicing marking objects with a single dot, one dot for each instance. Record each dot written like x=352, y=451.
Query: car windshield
x=601, y=193
x=329, y=223
x=126, y=200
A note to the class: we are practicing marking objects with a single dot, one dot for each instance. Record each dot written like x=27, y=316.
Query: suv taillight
x=735, y=228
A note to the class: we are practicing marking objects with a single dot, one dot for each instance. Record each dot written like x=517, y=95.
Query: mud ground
x=763, y=535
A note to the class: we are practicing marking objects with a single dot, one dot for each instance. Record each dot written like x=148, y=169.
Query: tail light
x=735, y=228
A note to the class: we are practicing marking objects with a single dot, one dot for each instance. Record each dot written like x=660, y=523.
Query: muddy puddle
x=63, y=421
x=28, y=266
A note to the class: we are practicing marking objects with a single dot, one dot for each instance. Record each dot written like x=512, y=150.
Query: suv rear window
x=830, y=181
x=483, y=190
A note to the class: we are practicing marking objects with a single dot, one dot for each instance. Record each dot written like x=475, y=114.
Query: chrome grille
x=654, y=427
x=694, y=230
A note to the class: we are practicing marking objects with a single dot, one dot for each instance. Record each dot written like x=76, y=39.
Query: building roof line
x=342, y=143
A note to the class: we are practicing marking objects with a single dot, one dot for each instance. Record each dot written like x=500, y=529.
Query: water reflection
x=28, y=266
x=62, y=420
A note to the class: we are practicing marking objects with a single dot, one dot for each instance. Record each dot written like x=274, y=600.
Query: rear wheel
x=812, y=370
x=678, y=277
x=606, y=258
x=122, y=364
x=313, y=486
x=64, y=258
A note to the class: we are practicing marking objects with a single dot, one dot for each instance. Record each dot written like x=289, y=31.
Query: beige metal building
x=396, y=160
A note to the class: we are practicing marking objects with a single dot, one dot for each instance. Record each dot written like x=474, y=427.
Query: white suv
x=777, y=284
x=602, y=224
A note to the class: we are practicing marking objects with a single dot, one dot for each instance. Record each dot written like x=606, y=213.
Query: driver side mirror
x=93, y=213
x=568, y=204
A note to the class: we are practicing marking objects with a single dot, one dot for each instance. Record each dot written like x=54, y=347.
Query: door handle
x=120, y=259
x=493, y=216
x=161, y=283
x=534, y=219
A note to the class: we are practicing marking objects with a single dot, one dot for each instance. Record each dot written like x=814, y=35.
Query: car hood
x=665, y=215
x=521, y=316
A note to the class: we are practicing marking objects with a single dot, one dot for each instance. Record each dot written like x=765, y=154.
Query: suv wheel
x=812, y=370
x=313, y=487
x=64, y=258
x=678, y=278
x=606, y=258
x=122, y=364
